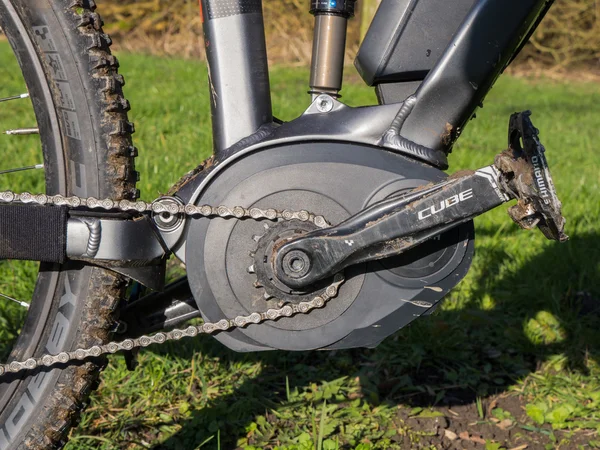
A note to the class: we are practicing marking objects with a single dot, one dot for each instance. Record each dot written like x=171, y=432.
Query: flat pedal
x=526, y=177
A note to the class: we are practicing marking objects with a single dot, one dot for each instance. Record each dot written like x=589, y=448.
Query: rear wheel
x=77, y=101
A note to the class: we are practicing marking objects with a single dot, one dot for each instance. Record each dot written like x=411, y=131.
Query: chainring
x=335, y=180
x=274, y=237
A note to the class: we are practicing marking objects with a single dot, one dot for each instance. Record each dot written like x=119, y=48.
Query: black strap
x=36, y=233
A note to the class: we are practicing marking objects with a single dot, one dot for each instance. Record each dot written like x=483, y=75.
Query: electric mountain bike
x=330, y=231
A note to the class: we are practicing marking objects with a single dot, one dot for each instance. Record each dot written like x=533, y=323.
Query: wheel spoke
x=23, y=304
x=15, y=97
x=20, y=169
x=23, y=131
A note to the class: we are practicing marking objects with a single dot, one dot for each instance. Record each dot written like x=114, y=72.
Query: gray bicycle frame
x=239, y=88
x=242, y=118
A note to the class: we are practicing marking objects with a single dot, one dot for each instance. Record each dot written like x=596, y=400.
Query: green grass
x=516, y=325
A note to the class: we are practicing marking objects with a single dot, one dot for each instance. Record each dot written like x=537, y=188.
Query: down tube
x=236, y=53
x=479, y=51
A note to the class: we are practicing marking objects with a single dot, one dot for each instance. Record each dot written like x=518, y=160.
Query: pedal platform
x=525, y=175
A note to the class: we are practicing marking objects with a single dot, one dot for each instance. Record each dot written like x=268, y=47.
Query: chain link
x=159, y=206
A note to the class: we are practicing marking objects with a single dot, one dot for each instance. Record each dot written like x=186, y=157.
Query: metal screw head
x=324, y=103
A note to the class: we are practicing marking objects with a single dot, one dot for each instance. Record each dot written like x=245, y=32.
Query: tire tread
x=62, y=410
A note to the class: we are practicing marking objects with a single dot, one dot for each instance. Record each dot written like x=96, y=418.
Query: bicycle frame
x=485, y=43
x=423, y=127
x=239, y=86
x=488, y=39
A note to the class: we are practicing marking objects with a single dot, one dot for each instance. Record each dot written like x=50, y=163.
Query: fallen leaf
x=493, y=419
x=478, y=440
x=450, y=435
x=491, y=406
x=506, y=423
x=520, y=447
x=464, y=435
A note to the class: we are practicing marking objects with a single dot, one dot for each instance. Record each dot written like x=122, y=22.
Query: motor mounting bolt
x=324, y=103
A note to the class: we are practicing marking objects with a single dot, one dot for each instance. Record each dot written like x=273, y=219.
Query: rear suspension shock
x=329, y=45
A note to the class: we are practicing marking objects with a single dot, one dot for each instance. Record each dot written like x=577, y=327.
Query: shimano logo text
x=449, y=202
x=539, y=178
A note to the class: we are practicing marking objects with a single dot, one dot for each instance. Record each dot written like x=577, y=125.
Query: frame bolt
x=165, y=220
x=324, y=103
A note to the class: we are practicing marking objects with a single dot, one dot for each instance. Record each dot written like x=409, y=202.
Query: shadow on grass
x=512, y=322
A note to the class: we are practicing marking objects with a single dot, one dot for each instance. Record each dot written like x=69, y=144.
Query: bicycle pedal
x=527, y=178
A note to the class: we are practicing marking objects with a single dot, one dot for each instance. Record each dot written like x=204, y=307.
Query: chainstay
x=160, y=206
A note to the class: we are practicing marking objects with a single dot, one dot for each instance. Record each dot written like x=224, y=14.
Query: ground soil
x=461, y=427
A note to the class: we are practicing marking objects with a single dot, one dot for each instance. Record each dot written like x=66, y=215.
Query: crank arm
x=389, y=227
x=392, y=226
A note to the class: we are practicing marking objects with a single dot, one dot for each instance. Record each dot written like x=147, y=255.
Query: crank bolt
x=296, y=264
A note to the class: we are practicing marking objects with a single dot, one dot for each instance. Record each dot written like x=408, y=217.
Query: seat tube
x=236, y=52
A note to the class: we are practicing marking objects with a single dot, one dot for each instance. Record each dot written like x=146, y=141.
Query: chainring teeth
x=267, y=244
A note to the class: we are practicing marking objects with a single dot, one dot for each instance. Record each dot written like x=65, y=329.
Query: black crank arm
x=389, y=227
x=393, y=226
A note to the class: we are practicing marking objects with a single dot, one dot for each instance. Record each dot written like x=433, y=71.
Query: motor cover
x=335, y=180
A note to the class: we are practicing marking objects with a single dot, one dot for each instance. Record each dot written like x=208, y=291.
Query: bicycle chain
x=159, y=206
